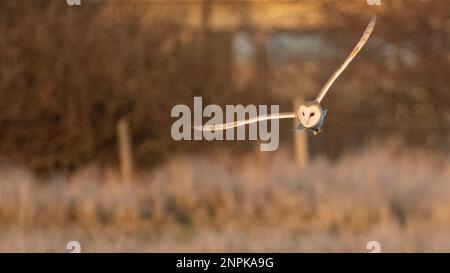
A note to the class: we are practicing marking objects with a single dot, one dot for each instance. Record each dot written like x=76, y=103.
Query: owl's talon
x=316, y=132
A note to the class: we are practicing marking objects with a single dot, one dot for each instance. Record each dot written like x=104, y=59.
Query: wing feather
x=350, y=57
x=224, y=126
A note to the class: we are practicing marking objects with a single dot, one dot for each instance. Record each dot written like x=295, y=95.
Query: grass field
x=256, y=203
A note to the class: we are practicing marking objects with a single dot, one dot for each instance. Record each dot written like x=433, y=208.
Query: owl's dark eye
x=303, y=114
x=312, y=114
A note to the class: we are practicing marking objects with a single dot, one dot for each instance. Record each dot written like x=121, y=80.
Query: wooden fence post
x=125, y=151
x=301, y=148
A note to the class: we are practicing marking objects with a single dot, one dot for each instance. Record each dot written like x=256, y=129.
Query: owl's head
x=310, y=114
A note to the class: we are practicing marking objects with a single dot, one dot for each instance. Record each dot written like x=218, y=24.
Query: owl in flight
x=310, y=114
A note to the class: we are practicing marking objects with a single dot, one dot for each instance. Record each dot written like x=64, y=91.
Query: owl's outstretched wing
x=219, y=127
x=350, y=57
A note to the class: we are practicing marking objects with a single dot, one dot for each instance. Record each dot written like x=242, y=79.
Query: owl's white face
x=310, y=115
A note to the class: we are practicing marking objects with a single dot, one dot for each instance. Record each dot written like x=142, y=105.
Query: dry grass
x=256, y=203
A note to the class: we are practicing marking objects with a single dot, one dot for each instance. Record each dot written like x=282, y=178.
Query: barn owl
x=310, y=114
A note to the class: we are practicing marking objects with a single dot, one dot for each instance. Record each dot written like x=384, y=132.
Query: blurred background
x=86, y=152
